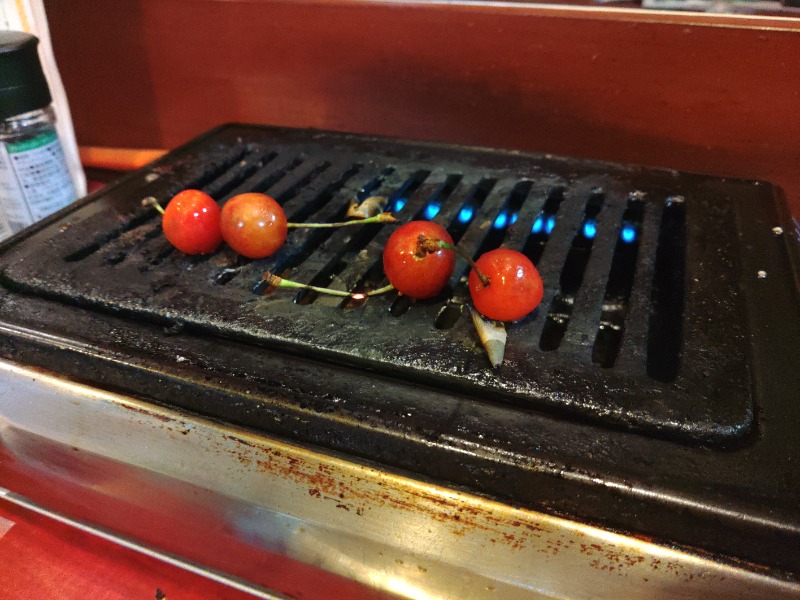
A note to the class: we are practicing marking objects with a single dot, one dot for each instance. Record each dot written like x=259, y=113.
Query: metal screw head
x=638, y=196
x=675, y=200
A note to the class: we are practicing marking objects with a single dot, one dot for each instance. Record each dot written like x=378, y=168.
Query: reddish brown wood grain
x=717, y=95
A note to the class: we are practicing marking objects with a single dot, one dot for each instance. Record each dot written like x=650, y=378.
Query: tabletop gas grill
x=652, y=392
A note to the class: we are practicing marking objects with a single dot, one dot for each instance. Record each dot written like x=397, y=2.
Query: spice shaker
x=34, y=177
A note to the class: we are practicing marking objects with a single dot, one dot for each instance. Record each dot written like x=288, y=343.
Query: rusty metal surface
x=404, y=537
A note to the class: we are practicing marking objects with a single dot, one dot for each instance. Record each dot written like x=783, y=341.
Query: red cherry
x=515, y=287
x=254, y=225
x=191, y=222
x=413, y=271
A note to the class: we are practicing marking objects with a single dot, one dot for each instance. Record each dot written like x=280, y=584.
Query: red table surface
x=44, y=559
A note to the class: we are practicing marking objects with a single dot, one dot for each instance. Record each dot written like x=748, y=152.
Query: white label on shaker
x=5, y=228
x=34, y=180
x=12, y=202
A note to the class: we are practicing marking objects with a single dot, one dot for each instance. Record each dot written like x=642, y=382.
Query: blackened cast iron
x=630, y=394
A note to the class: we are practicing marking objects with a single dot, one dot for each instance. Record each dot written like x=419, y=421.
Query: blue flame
x=538, y=225
x=399, y=204
x=466, y=214
x=628, y=234
x=590, y=229
x=551, y=223
x=514, y=217
x=501, y=220
x=432, y=210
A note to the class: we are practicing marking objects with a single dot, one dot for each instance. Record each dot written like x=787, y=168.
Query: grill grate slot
x=374, y=277
x=504, y=223
x=373, y=185
x=588, y=306
x=429, y=211
x=571, y=277
x=633, y=345
x=623, y=322
x=330, y=205
x=619, y=286
x=506, y=216
x=302, y=207
x=496, y=195
x=343, y=245
x=267, y=175
x=518, y=232
x=367, y=253
x=288, y=188
x=473, y=239
x=664, y=336
x=457, y=221
x=284, y=189
x=454, y=210
x=543, y=225
x=238, y=173
x=433, y=205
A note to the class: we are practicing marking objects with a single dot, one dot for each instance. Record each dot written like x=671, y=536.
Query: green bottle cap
x=23, y=87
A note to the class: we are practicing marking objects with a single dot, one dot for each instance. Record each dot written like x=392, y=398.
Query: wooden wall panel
x=717, y=95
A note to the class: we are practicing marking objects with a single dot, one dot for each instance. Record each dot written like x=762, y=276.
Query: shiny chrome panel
x=390, y=533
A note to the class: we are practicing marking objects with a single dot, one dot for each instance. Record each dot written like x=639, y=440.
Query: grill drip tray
x=641, y=326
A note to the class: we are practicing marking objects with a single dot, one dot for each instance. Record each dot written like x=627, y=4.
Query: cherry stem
x=274, y=281
x=379, y=218
x=385, y=289
x=428, y=245
x=151, y=201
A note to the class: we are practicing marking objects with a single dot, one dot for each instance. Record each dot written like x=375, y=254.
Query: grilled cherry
x=514, y=286
x=253, y=224
x=412, y=265
x=191, y=222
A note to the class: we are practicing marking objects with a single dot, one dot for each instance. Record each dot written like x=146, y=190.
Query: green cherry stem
x=150, y=201
x=273, y=280
x=379, y=218
x=384, y=290
x=428, y=245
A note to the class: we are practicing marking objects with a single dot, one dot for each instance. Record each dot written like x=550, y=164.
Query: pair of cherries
x=418, y=258
x=253, y=224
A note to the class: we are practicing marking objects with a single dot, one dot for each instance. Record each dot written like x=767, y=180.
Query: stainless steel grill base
x=236, y=503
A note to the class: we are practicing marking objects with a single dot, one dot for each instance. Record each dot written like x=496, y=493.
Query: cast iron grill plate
x=641, y=322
